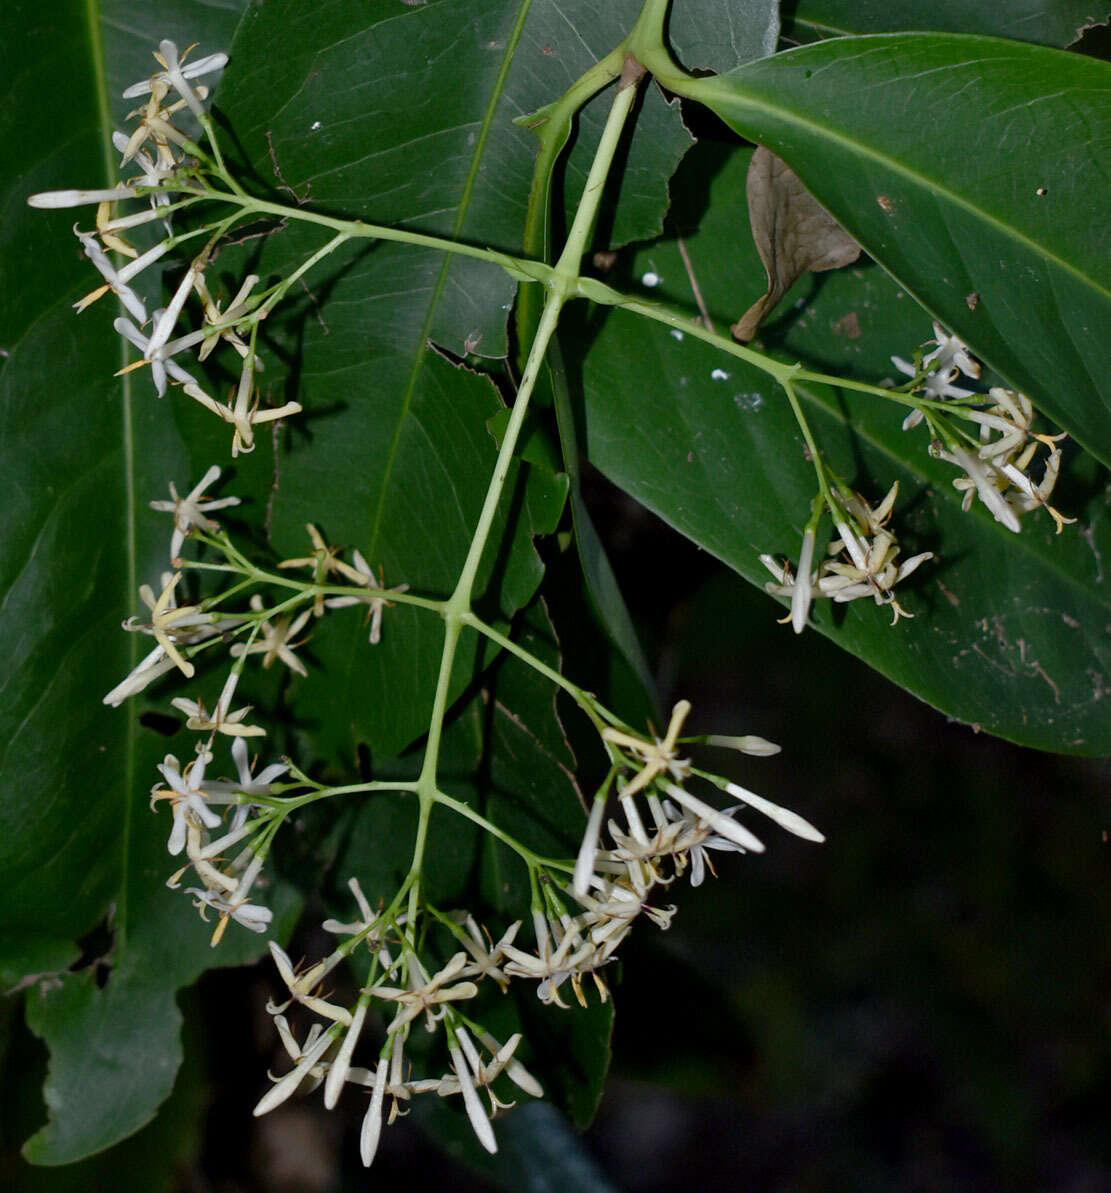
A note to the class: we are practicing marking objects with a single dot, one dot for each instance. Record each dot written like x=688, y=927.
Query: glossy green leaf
x=1009, y=632
x=1052, y=23
x=152, y=1159
x=1030, y=236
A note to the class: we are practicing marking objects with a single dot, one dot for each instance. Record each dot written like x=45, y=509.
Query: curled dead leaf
x=793, y=233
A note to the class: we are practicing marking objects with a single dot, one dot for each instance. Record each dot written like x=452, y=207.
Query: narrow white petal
x=73, y=198
x=372, y=1121
x=132, y=268
x=295, y=1076
x=801, y=592
x=480, y=1124
x=784, y=817
x=588, y=850
x=721, y=824
x=338, y=1072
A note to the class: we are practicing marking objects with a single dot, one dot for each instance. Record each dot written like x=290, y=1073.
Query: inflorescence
x=995, y=455
x=413, y=964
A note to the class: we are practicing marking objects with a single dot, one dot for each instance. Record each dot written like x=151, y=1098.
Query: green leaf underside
x=1031, y=236
x=1058, y=23
x=1010, y=630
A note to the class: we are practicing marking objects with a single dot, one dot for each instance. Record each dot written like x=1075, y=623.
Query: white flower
x=982, y=477
x=231, y=904
x=161, y=362
x=800, y=588
x=223, y=720
x=950, y=358
x=175, y=73
x=248, y=784
x=166, y=619
x=486, y=957
x=189, y=511
x=951, y=353
x=784, y=817
x=658, y=756
x=367, y=578
x=337, y=1074
x=479, y=1122
x=588, y=850
x=310, y=1056
x=697, y=847
x=145, y=672
x=275, y=642
x=187, y=797
x=238, y=308
x=514, y=1070
x=432, y=993
x=718, y=821
x=241, y=412
x=372, y=1122
x=113, y=280
x=165, y=320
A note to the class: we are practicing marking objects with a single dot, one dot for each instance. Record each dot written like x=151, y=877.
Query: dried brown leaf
x=793, y=233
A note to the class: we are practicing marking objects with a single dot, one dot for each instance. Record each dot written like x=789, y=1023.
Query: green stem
x=281, y=290
x=297, y=801
x=562, y=284
x=583, y=699
x=552, y=125
x=466, y=811
x=604, y=295
x=811, y=444
x=358, y=230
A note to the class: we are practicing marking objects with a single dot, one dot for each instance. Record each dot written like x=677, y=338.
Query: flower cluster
x=201, y=831
x=172, y=176
x=416, y=967
x=577, y=927
x=266, y=631
x=996, y=464
x=402, y=994
x=862, y=560
x=998, y=471
x=995, y=458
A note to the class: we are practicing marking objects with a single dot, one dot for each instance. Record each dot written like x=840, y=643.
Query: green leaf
x=1058, y=23
x=151, y=1160
x=1009, y=631
x=723, y=34
x=1030, y=236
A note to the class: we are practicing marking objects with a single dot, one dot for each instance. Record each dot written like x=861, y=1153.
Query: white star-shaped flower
x=175, y=73
x=191, y=510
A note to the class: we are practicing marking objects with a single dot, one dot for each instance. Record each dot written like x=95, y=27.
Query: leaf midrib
x=94, y=17
x=441, y=279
